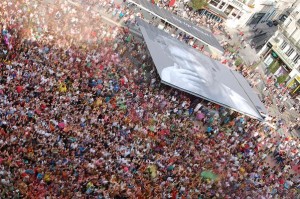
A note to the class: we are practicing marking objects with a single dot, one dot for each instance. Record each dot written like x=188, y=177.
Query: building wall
x=290, y=51
x=283, y=7
x=252, y=10
x=245, y=12
x=286, y=42
x=231, y=8
x=290, y=29
x=266, y=9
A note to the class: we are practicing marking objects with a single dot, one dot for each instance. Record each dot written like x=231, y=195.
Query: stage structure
x=186, y=69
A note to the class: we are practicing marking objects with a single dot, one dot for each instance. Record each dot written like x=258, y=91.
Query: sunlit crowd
x=83, y=115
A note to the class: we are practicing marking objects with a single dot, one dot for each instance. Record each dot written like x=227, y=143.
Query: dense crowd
x=83, y=115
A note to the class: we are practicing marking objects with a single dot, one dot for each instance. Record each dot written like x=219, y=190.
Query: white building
x=283, y=7
x=229, y=9
x=281, y=54
x=240, y=13
x=262, y=11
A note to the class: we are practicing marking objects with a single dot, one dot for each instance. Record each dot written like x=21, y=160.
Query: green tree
x=281, y=79
x=238, y=61
x=198, y=4
x=274, y=66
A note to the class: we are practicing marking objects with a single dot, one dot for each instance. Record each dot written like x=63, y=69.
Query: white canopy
x=183, y=67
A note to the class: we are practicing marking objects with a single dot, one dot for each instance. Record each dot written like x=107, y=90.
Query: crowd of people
x=83, y=115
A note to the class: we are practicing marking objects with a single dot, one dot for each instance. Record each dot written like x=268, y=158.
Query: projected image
x=186, y=70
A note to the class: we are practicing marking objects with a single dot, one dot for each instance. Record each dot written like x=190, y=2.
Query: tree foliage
x=281, y=79
x=198, y=4
x=274, y=66
x=238, y=61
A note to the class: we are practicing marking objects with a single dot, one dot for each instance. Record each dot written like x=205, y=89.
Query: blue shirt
x=209, y=129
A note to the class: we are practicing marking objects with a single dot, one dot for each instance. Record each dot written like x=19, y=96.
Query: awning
x=186, y=26
x=183, y=67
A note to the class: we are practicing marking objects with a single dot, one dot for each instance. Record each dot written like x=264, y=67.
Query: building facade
x=281, y=54
x=284, y=7
x=262, y=11
x=241, y=13
x=222, y=10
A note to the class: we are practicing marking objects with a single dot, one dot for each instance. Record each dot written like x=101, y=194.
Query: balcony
x=282, y=29
x=284, y=57
x=239, y=5
x=288, y=37
x=295, y=14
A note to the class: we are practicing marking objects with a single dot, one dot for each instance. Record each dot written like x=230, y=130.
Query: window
x=215, y=2
x=288, y=23
x=290, y=51
x=296, y=58
x=228, y=10
x=222, y=5
x=283, y=45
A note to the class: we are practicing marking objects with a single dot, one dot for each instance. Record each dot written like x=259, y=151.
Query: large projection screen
x=183, y=67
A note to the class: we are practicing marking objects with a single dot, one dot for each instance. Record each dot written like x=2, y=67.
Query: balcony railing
x=295, y=14
x=239, y=5
x=288, y=37
x=282, y=29
x=293, y=41
x=284, y=57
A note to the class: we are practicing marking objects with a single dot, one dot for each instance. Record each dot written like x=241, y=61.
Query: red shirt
x=43, y=106
x=122, y=81
x=38, y=111
x=174, y=194
x=281, y=181
x=24, y=175
x=19, y=89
